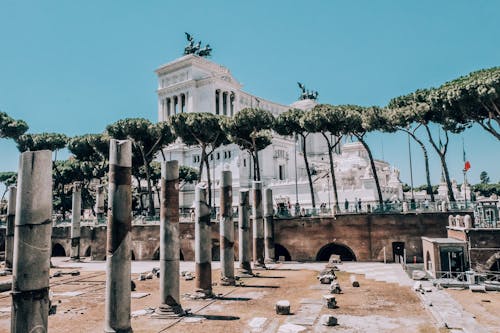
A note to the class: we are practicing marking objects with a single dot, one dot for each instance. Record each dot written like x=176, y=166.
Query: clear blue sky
x=76, y=66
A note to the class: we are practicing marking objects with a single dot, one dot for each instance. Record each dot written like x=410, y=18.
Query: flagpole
x=465, y=173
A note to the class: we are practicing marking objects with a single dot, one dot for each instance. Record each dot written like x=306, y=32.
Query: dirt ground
x=485, y=307
x=373, y=307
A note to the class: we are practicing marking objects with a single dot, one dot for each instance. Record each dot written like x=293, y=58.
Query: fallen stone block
x=155, y=269
x=326, y=279
x=418, y=275
x=477, y=288
x=354, y=281
x=335, y=287
x=142, y=277
x=283, y=307
x=291, y=328
x=330, y=301
x=417, y=286
x=188, y=276
x=328, y=320
x=149, y=276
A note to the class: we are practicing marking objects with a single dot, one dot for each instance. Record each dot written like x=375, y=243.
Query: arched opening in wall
x=496, y=266
x=398, y=251
x=215, y=250
x=58, y=250
x=281, y=251
x=156, y=255
x=181, y=255
x=345, y=253
x=428, y=262
x=132, y=255
x=88, y=252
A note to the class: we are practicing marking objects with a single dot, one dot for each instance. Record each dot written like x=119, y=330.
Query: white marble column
x=221, y=102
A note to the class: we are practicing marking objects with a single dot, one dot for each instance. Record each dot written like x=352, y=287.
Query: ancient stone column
x=203, y=244
x=32, y=243
x=258, y=225
x=76, y=208
x=226, y=230
x=170, y=305
x=268, y=225
x=245, y=251
x=9, y=232
x=117, y=308
x=99, y=202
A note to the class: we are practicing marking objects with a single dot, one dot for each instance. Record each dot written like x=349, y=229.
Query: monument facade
x=193, y=83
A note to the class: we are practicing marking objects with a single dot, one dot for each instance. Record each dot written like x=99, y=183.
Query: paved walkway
x=445, y=310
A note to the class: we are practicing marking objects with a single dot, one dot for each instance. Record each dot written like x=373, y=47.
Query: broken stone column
x=258, y=225
x=118, y=286
x=9, y=232
x=32, y=243
x=169, y=241
x=76, y=209
x=244, y=252
x=226, y=229
x=203, y=250
x=99, y=202
x=269, y=226
x=330, y=301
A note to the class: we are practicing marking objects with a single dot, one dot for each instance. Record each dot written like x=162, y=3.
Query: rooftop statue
x=191, y=48
x=306, y=94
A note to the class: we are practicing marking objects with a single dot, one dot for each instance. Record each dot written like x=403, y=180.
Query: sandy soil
x=484, y=306
x=374, y=306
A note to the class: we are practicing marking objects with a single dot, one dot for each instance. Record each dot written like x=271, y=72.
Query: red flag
x=467, y=166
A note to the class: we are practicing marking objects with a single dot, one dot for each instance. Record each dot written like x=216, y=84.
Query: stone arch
x=58, y=250
x=493, y=263
x=88, y=252
x=345, y=252
x=215, y=250
x=132, y=255
x=281, y=251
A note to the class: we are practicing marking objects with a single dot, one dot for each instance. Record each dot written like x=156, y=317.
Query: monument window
x=281, y=172
x=218, y=156
x=245, y=163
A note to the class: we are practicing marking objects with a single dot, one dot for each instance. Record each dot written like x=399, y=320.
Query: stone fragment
x=418, y=275
x=330, y=301
x=142, y=277
x=328, y=320
x=335, y=287
x=188, y=276
x=477, y=288
x=149, y=276
x=354, y=281
x=283, y=307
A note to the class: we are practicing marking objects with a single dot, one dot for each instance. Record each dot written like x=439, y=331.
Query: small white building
x=195, y=84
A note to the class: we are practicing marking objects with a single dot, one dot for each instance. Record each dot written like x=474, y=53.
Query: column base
x=165, y=311
x=202, y=294
x=227, y=281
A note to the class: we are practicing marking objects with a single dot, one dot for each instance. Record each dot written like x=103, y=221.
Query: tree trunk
x=442, y=157
x=451, y=196
x=308, y=170
x=139, y=191
x=374, y=171
x=209, y=182
x=151, y=203
x=332, y=171
x=427, y=171
x=202, y=160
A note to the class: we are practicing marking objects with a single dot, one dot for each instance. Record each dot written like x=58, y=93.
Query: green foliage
x=187, y=174
x=147, y=139
x=92, y=149
x=199, y=128
x=487, y=190
x=11, y=128
x=250, y=129
x=289, y=123
x=323, y=118
x=7, y=178
x=42, y=141
x=484, y=178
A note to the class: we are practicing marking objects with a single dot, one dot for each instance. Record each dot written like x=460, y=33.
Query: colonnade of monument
x=29, y=229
